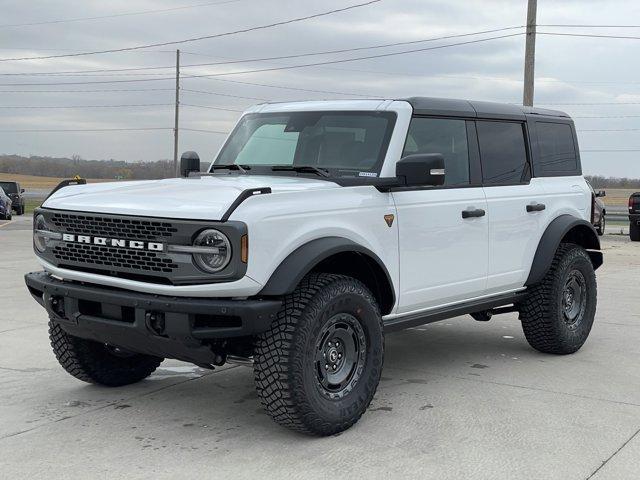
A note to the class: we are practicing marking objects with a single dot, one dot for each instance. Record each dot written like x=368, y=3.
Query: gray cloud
x=569, y=70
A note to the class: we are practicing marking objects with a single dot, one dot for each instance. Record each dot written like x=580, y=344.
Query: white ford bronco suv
x=319, y=227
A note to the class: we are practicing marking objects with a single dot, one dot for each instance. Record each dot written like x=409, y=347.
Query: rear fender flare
x=572, y=229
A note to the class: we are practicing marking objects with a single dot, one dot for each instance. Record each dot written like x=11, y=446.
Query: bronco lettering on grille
x=113, y=242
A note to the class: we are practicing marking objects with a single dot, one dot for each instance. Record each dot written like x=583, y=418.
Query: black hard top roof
x=474, y=109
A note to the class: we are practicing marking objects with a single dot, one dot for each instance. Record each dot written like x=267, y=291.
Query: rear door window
x=503, y=152
x=557, y=150
x=447, y=137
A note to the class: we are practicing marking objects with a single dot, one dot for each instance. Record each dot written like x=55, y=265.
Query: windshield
x=9, y=187
x=340, y=143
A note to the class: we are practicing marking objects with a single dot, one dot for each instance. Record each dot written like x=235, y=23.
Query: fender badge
x=389, y=219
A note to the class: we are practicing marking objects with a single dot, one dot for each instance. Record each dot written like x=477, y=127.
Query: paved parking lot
x=458, y=399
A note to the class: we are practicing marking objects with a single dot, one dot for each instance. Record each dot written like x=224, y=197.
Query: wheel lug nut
x=326, y=367
x=337, y=344
x=334, y=367
x=339, y=355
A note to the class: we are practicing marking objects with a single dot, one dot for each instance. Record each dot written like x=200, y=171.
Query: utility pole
x=176, y=169
x=530, y=54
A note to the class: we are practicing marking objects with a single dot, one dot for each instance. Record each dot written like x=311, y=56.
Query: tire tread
x=276, y=363
x=80, y=359
x=539, y=320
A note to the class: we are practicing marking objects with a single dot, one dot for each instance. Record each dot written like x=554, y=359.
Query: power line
x=36, y=130
x=196, y=39
x=610, y=130
x=120, y=90
x=611, y=151
x=262, y=59
x=589, y=35
x=97, y=82
x=207, y=92
x=92, y=90
x=284, y=87
x=89, y=73
x=606, y=116
x=211, y=108
x=22, y=84
x=591, y=104
x=288, y=67
x=204, y=131
x=586, y=25
x=346, y=60
x=129, y=105
x=80, y=130
x=117, y=15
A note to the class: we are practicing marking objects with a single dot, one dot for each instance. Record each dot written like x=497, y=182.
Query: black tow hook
x=156, y=323
x=57, y=305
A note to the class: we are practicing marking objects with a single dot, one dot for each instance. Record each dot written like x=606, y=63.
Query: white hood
x=203, y=198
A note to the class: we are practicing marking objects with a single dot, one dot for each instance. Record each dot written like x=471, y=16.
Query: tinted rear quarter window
x=557, y=150
x=503, y=152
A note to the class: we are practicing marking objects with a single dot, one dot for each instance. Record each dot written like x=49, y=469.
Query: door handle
x=536, y=207
x=477, y=212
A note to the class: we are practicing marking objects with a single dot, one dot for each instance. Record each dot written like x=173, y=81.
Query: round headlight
x=39, y=241
x=220, y=250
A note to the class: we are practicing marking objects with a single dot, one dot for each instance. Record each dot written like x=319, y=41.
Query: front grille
x=106, y=257
x=134, y=229
x=105, y=247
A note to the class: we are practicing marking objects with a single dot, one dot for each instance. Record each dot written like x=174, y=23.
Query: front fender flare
x=551, y=238
x=301, y=261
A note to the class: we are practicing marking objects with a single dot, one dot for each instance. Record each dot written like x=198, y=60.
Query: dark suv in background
x=634, y=217
x=598, y=210
x=13, y=190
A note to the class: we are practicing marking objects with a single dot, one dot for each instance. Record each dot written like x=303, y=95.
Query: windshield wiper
x=231, y=166
x=301, y=168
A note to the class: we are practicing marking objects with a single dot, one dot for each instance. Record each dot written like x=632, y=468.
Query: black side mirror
x=22, y=190
x=601, y=193
x=421, y=169
x=189, y=162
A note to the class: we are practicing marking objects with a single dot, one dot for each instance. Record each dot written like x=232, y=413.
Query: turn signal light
x=244, y=248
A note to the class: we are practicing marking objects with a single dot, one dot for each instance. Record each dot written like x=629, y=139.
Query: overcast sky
x=569, y=70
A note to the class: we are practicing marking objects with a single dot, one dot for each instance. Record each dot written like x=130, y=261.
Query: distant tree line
x=598, y=181
x=112, y=169
x=70, y=167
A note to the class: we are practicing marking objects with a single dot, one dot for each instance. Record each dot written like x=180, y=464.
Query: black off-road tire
x=20, y=211
x=286, y=357
x=545, y=315
x=93, y=362
x=634, y=231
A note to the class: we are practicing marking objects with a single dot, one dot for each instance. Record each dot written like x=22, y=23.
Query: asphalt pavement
x=458, y=399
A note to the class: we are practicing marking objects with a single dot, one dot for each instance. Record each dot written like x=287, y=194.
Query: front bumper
x=165, y=326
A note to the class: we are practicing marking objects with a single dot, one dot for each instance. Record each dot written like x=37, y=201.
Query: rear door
x=516, y=203
x=443, y=256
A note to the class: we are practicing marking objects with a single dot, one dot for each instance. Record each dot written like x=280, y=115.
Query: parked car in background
x=5, y=205
x=634, y=217
x=13, y=190
x=598, y=210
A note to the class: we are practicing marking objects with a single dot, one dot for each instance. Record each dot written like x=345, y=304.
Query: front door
x=443, y=251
